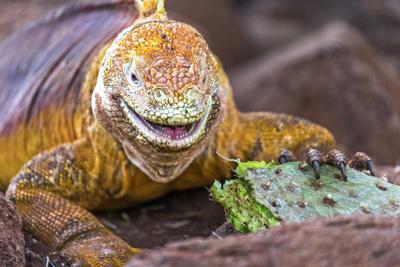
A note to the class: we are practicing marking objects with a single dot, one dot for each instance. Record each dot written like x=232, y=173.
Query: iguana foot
x=102, y=249
x=315, y=159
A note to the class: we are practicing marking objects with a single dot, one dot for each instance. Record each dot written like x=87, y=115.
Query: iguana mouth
x=166, y=135
x=174, y=132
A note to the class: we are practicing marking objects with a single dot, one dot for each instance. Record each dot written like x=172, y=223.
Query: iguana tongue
x=175, y=132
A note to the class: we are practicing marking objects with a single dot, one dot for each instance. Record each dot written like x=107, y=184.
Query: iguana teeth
x=152, y=133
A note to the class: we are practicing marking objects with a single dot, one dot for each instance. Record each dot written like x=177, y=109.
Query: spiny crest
x=152, y=8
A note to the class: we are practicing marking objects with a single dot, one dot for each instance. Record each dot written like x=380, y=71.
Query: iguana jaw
x=167, y=135
x=160, y=164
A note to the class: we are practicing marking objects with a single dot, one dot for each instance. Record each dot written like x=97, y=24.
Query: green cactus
x=266, y=194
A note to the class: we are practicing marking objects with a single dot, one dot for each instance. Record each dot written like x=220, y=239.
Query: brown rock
x=333, y=78
x=379, y=21
x=220, y=24
x=343, y=241
x=391, y=173
x=12, y=244
x=273, y=23
x=178, y=216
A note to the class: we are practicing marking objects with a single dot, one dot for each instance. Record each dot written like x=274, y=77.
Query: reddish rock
x=333, y=78
x=391, y=173
x=12, y=244
x=273, y=23
x=220, y=23
x=343, y=241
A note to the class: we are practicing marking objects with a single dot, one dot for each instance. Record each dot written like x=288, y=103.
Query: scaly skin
x=161, y=71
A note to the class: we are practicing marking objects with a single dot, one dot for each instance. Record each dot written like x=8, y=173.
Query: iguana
x=151, y=116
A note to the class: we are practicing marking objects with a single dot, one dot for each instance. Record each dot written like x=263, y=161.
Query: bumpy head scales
x=158, y=92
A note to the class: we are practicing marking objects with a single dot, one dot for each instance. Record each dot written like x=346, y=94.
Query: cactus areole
x=266, y=194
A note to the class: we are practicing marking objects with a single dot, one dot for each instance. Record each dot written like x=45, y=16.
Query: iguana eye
x=134, y=79
x=133, y=76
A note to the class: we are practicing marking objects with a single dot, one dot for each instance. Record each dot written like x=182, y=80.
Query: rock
x=38, y=254
x=178, y=216
x=379, y=21
x=273, y=23
x=362, y=240
x=333, y=78
x=391, y=173
x=12, y=243
x=220, y=23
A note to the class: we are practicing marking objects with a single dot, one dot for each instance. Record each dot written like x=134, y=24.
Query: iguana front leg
x=271, y=136
x=264, y=135
x=51, y=192
x=284, y=138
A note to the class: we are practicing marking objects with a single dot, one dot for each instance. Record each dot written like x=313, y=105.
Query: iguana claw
x=370, y=167
x=314, y=158
x=342, y=168
x=286, y=156
x=338, y=159
x=362, y=161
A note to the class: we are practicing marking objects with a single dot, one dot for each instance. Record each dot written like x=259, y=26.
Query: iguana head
x=158, y=93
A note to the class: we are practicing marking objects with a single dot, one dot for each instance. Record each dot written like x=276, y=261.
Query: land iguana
x=151, y=116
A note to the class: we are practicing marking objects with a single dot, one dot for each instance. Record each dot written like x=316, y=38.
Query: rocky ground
x=180, y=216
x=359, y=241
x=333, y=62
x=12, y=244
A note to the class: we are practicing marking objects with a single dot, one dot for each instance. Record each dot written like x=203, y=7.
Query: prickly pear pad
x=267, y=194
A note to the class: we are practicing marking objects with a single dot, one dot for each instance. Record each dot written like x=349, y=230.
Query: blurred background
x=332, y=62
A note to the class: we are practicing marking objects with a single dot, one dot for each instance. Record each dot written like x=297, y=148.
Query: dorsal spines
x=151, y=9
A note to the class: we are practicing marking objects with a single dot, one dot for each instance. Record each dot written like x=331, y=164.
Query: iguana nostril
x=160, y=96
x=191, y=95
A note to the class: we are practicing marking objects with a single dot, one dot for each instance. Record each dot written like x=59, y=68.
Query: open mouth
x=173, y=136
x=173, y=132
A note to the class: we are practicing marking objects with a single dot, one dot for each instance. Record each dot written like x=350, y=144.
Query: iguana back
x=42, y=70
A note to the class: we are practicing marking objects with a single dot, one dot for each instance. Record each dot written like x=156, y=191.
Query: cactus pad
x=266, y=194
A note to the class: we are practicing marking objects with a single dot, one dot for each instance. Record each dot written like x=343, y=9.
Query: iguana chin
x=154, y=111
